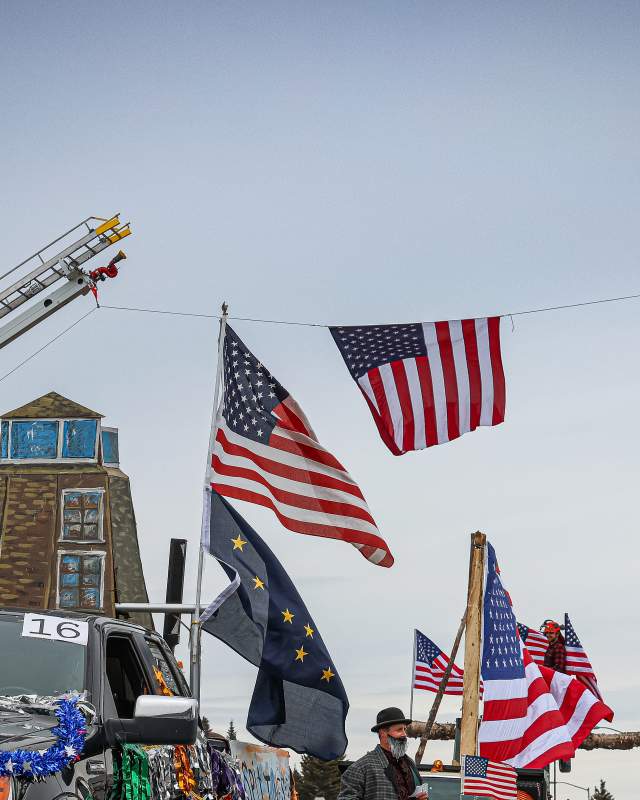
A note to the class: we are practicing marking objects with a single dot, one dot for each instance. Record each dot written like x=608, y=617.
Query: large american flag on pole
x=427, y=383
x=484, y=778
x=578, y=663
x=430, y=665
x=265, y=452
x=532, y=715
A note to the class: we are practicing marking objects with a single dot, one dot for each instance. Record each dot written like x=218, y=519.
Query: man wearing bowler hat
x=386, y=772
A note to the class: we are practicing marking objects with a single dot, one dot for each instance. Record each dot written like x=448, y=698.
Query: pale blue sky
x=353, y=163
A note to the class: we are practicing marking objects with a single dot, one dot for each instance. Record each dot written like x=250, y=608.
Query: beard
x=397, y=746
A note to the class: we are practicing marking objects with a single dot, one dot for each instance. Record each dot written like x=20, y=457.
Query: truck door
x=125, y=680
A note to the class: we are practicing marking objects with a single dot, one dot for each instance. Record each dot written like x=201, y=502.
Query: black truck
x=114, y=665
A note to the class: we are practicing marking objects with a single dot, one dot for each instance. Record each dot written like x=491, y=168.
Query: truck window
x=125, y=675
x=167, y=671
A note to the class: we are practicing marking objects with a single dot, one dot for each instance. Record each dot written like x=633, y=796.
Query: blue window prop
x=4, y=440
x=80, y=580
x=110, y=454
x=79, y=438
x=34, y=439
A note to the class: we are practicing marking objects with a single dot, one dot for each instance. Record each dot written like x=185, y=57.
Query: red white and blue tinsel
x=70, y=732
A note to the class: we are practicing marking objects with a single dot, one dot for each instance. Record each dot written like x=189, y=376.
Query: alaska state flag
x=298, y=700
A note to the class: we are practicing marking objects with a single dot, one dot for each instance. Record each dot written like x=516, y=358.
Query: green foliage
x=601, y=792
x=206, y=726
x=231, y=733
x=318, y=778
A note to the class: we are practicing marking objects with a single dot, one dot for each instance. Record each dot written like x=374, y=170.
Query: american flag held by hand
x=266, y=453
x=427, y=383
x=430, y=665
x=485, y=778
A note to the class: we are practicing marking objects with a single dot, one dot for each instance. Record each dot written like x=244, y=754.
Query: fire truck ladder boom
x=61, y=259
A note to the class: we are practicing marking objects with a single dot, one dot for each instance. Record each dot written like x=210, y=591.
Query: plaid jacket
x=371, y=778
x=556, y=655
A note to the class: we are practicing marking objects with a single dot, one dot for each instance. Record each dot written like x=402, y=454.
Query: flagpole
x=472, y=640
x=213, y=429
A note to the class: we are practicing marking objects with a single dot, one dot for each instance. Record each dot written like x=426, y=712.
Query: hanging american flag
x=578, y=663
x=532, y=715
x=427, y=383
x=484, y=778
x=430, y=664
x=266, y=453
x=535, y=642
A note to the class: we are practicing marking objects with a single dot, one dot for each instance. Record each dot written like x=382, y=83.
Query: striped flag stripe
x=415, y=396
x=282, y=470
x=462, y=376
x=303, y=499
x=329, y=531
x=449, y=373
x=473, y=366
x=426, y=391
x=437, y=381
x=286, y=463
x=497, y=371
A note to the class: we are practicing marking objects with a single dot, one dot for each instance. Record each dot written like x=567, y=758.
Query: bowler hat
x=390, y=716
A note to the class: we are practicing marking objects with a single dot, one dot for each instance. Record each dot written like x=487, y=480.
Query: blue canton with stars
x=501, y=659
x=426, y=650
x=475, y=767
x=365, y=347
x=250, y=391
x=570, y=636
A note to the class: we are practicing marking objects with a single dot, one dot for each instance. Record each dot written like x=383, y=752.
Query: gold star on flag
x=238, y=543
x=309, y=630
x=300, y=654
x=287, y=616
x=258, y=583
x=327, y=674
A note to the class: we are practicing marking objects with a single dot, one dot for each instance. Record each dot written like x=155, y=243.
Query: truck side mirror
x=156, y=720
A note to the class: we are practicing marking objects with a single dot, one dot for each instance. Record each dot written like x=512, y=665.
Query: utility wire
x=51, y=341
x=283, y=321
x=324, y=325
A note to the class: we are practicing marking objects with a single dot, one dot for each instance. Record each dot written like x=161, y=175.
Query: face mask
x=398, y=746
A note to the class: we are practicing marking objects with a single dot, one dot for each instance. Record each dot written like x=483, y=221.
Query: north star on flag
x=266, y=453
x=427, y=383
x=532, y=715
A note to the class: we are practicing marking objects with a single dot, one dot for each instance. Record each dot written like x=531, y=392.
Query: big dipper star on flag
x=266, y=453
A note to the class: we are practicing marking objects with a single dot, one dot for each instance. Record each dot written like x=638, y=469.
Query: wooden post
x=438, y=698
x=472, y=640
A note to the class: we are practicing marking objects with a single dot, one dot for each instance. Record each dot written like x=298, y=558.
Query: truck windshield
x=37, y=666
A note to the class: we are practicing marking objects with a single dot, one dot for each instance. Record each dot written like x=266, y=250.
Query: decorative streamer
x=70, y=733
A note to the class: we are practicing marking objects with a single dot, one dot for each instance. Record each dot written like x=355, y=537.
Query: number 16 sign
x=56, y=629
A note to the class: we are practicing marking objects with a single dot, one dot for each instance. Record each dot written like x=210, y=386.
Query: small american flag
x=578, y=663
x=535, y=642
x=485, y=778
x=427, y=383
x=429, y=667
x=265, y=452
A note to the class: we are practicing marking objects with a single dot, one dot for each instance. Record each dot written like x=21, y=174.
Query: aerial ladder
x=60, y=262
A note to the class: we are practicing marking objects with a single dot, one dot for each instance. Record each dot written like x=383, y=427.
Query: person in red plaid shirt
x=556, y=655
